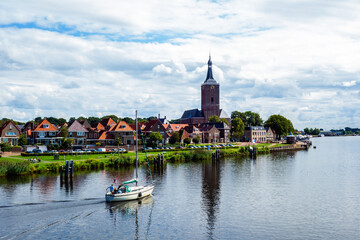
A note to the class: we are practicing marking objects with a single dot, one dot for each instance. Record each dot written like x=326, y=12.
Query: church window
x=212, y=100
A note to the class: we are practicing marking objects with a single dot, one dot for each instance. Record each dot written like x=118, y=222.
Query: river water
x=312, y=194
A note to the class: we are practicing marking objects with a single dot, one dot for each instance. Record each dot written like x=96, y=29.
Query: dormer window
x=123, y=126
x=45, y=125
x=10, y=126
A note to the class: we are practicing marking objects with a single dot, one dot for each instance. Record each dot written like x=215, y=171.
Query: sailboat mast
x=136, y=140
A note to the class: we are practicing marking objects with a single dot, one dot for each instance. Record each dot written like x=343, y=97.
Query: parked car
x=78, y=151
x=62, y=151
x=37, y=151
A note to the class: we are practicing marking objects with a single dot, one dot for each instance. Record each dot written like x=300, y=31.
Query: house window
x=52, y=134
x=81, y=133
x=123, y=126
x=41, y=134
x=10, y=126
x=45, y=125
x=212, y=100
x=10, y=134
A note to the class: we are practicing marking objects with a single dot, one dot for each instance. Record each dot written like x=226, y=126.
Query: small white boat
x=125, y=192
x=130, y=193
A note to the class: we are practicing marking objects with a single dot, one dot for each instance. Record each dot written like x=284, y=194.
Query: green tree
x=237, y=128
x=306, y=130
x=196, y=140
x=118, y=141
x=50, y=147
x=66, y=143
x=280, y=124
x=155, y=138
x=187, y=140
x=214, y=119
x=249, y=118
x=64, y=132
x=22, y=140
x=175, y=137
x=129, y=120
x=224, y=121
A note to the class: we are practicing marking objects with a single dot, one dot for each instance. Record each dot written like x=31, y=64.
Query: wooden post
x=61, y=173
x=71, y=168
x=66, y=169
x=162, y=161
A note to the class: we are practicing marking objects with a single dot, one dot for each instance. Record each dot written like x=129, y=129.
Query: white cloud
x=296, y=58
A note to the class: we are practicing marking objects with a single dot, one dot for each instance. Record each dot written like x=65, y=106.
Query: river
x=312, y=194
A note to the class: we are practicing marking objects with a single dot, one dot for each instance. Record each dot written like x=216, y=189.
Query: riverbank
x=19, y=165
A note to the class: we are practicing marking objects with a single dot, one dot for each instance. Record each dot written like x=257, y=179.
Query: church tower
x=210, y=94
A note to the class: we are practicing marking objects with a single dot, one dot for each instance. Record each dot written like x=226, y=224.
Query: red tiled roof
x=177, y=126
x=122, y=126
x=50, y=128
x=97, y=126
x=106, y=135
x=107, y=122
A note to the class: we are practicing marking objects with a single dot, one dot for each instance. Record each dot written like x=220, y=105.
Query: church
x=210, y=102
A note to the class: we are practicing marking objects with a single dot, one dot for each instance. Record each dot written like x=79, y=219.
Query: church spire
x=209, y=77
x=209, y=72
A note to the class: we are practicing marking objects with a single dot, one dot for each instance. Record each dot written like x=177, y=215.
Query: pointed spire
x=209, y=72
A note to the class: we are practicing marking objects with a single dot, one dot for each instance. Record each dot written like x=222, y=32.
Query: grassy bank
x=18, y=165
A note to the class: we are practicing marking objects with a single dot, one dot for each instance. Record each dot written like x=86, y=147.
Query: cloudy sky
x=298, y=58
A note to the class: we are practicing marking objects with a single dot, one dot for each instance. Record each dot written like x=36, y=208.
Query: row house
x=124, y=131
x=259, y=134
x=46, y=133
x=210, y=134
x=77, y=132
x=9, y=133
x=224, y=130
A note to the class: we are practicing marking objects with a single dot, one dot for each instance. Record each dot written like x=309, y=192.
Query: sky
x=297, y=58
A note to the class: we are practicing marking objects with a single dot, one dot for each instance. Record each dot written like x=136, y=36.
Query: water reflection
x=131, y=209
x=211, y=173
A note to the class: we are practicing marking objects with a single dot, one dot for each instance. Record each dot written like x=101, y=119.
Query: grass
x=17, y=165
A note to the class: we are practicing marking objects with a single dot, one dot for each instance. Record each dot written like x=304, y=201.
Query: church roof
x=209, y=76
x=192, y=113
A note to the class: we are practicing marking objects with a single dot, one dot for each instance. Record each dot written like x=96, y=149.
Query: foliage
x=98, y=144
x=224, y=121
x=280, y=124
x=175, y=137
x=13, y=167
x=311, y=131
x=249, y=118
x=22, y=140
x=64, y=131
x=113, y=117
x=5, y=147
x=196, y=140
x=66, y=143
x=237, y=128
x=187, y=140
x=155, y=138
x=175, y=121
x=214, y=119
x=118, y=141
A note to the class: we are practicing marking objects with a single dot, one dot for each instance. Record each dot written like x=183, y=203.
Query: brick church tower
x=210, y=94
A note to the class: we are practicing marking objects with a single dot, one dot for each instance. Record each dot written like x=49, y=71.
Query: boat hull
x=136, y=193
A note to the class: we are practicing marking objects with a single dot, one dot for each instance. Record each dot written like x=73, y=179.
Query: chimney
x=159, y=116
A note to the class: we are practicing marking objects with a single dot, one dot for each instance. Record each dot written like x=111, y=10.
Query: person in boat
x=111, y=188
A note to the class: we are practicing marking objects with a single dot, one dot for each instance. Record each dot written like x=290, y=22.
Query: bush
x=10, y=168
x=5, y=147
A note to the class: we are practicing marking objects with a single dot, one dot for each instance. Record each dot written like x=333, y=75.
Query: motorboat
x=125, y=192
